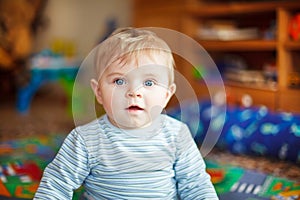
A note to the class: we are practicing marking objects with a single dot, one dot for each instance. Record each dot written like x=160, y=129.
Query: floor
x=262, y=164
x=48, y=114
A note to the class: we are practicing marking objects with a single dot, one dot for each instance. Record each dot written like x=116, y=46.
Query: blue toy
x=47, y=68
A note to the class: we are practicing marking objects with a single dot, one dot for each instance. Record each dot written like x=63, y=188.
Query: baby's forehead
x=138, y=60
x=141, y=68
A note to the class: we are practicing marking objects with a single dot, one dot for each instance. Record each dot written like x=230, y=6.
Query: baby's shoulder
x=173, y=124
x=91, y=131
x=172, y=121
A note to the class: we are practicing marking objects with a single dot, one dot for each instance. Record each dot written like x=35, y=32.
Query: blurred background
x=255, y=45
x=38, y=40
x=84, y=23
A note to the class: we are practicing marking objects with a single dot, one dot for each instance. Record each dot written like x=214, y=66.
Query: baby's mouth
x=134, y=108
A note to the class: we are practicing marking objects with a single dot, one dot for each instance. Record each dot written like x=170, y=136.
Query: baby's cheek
x=155, y=111
x=117, y=93
x=159, y=99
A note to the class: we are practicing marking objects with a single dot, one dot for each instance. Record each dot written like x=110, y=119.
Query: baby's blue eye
x=119, y=81
x=149, y=83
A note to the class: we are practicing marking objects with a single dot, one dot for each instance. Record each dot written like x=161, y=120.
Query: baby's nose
x=133, y=93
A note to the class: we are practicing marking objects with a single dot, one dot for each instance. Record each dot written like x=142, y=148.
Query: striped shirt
x=158, y=162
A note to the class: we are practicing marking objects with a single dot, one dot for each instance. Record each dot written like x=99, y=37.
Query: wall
x=82, y=21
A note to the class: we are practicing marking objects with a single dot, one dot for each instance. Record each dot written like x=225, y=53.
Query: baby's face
x=133, y=96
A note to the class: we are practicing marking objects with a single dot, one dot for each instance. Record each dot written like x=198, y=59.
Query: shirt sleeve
x=193, y=182
x=67, y=171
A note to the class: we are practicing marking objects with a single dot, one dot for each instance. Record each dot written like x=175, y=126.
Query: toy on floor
x=48, y=67
x=217, y=175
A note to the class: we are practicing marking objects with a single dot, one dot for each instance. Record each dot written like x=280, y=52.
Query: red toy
x=294, y=27
x=217, y=175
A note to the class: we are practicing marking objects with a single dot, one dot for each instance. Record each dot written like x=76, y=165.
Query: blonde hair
x=125, y=44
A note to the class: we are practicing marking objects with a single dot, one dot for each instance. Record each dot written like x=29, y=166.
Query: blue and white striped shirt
x=158, y=162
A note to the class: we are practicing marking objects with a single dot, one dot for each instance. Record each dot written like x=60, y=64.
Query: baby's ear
x=172, y=89
x=96, y=90
x=170, y=92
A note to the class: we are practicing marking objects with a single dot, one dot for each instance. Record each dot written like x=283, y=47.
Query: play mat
x=23, y=160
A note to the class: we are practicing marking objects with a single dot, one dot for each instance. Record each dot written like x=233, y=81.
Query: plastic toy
x=294, y=27
x=40, y=77
x=47, y=67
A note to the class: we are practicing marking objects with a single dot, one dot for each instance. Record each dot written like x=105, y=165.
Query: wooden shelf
x=265, y=87
x=190, y=16
x=225, y=9
x=247, y=45
x=292, y=45
x=244, y=45
x=288, y=100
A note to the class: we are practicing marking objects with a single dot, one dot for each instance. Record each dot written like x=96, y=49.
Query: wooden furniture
x=190, y=16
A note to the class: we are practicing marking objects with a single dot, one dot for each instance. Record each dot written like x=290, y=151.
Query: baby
x=133, y=151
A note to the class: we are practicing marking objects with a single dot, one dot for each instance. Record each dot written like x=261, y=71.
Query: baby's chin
x=128, y=124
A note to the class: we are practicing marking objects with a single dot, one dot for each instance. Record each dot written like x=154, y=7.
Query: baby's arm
x=192, y=180
x=66, y=172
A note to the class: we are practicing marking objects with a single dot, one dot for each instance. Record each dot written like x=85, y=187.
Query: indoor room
x=237, y=76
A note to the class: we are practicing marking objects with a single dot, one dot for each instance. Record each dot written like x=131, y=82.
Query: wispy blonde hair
x=126, y=44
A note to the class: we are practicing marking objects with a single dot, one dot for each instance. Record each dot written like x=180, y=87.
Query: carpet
x=236, y=183
x=22, y=162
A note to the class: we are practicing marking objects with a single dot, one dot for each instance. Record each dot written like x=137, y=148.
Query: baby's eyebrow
x=115, y=74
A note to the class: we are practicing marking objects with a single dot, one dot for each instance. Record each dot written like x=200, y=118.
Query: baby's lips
x=134, y=107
